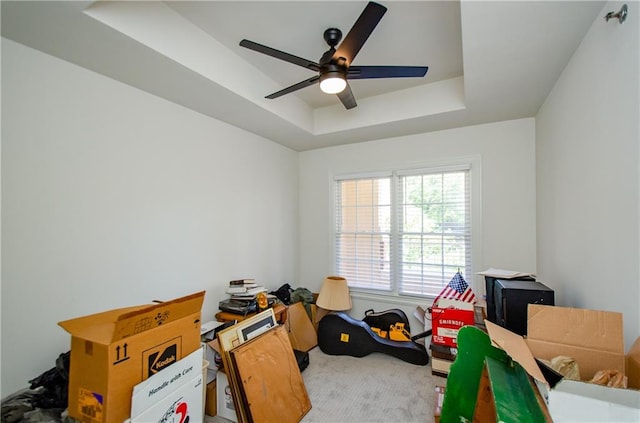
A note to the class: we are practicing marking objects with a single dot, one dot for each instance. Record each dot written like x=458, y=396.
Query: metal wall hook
x=621, y=15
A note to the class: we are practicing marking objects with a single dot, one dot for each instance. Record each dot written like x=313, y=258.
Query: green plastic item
x=513, y=394
x=464, y=375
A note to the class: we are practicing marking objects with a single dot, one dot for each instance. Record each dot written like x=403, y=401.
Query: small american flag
x=457, y=289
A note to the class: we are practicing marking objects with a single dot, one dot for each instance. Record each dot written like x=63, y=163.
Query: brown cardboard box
x=633, y=365
x=113, y=351
x=594, y=340
x=317, y=313
x=443, y=351
x=440, y=366
x=211, y=400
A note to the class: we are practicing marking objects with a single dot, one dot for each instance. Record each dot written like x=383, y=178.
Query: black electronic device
x=490, y=282
x=511, y=300
x=238, y=306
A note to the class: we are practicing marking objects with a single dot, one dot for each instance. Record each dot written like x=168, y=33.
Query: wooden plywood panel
x=229, y=339
x=271, y=380
x=302, y=334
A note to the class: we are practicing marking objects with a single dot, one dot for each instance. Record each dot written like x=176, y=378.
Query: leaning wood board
x=230, y=338
x=271, y=380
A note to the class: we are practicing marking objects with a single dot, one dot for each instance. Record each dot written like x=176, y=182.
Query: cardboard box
x=573, y=401
x=594, y=340
x=211, y=399
x=633, y=365
x=442, y=357
x=447, y=318
x=113, y=351
x=440, y=367
x=176, y=390
x=443, y=351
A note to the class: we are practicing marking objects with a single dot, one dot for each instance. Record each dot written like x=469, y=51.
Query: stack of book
x=442, y=357
x=242, y=296
x=244, y=286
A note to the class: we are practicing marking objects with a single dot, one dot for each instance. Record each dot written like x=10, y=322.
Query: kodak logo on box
x=161, y=356
x=158, y=361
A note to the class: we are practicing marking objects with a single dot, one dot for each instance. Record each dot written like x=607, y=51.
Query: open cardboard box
x=113, y=351
x=594, y=340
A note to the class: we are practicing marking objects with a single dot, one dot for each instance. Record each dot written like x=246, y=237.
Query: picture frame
x=224, y=399
x=228, y=339
x=260, y=326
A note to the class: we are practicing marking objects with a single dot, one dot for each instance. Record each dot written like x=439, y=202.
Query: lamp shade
x=334, y=294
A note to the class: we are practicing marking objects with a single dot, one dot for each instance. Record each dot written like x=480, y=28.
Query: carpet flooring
x=371, y=389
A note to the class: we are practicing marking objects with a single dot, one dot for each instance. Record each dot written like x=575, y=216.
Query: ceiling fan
x=334, y=67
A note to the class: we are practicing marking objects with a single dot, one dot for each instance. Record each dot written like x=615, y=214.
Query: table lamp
x=334, y=295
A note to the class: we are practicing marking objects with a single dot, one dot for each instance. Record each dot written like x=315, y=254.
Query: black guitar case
x=384, y=319
x=341, y=334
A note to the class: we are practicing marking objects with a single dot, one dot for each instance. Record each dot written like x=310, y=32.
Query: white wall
x=587, y=174
x=112, y=197
x=507, y=155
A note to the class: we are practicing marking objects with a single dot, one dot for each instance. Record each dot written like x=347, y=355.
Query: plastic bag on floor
x=55, y=384
x=44, y=400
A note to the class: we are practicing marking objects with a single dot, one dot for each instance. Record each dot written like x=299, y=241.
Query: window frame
x=470, y=163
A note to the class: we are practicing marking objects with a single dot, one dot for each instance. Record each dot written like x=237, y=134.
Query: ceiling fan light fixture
x=333, y=82
x=335, y=65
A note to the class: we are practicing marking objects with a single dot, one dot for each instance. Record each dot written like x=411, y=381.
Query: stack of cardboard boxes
x=442, y=357
x=448, y=316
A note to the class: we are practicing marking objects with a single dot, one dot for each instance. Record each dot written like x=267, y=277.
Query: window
x=403, y=232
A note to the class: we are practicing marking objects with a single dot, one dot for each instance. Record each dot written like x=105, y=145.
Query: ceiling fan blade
x=308, y=64
x=367, y=72
x=360, y=31
x=295, y=87
x=347, y=98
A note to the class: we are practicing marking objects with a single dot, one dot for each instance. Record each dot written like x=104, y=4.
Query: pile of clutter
x=46, y=398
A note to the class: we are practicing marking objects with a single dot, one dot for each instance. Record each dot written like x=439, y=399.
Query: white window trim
x=472, y=163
